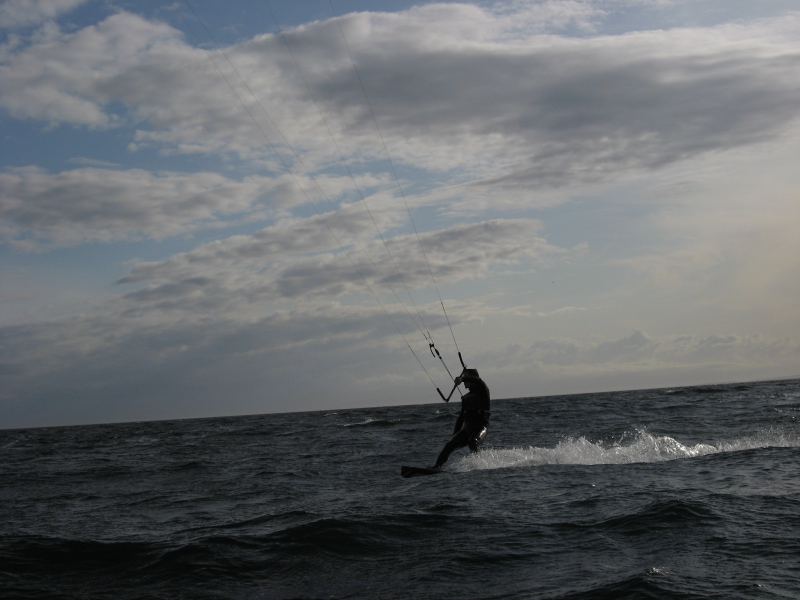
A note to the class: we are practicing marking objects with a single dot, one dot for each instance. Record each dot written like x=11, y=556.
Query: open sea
x=670, y=493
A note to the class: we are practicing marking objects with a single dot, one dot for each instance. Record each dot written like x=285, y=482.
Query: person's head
x=469, y=377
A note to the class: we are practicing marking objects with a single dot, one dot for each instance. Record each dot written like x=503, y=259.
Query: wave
x=370, y=422
x=639, y=585
x=258, y=521
x=644, y=448
x=791, y=410
x=32, y=552
x=295, y=535
x=694, y=391
x=657, y=515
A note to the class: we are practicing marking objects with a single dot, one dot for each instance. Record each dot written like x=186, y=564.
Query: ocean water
x=681, y=493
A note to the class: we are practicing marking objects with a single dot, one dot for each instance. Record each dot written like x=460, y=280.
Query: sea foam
x=643, y=447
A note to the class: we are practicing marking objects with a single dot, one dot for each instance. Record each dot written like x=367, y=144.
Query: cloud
x=726, y=242
x=23, y=13
x=91, y=369
x=555, y=111
x=317, y=234
x=671, y=269
x=55, y=346
x=564, y=310
x=484, y=110
x=523, y=16
x=260, y=269
x=58, y=76
x=208, y=323
x=104, y=367
x=127, y=68
x=449, y=90
x=43, y=209
x=643, y=352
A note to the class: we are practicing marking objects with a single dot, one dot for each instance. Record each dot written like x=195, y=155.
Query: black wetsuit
x=472, y=422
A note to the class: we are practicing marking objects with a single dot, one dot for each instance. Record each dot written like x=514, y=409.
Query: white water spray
x=644, y=448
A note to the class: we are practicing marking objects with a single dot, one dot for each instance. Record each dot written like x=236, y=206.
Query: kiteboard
x=418, y=471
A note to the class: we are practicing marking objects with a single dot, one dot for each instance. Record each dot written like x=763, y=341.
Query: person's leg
x=458, y=440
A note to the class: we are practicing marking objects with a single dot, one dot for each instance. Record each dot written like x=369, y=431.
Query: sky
x=262, y=206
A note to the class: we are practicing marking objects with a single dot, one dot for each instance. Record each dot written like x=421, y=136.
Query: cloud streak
x=104, y=205
x=259, y=270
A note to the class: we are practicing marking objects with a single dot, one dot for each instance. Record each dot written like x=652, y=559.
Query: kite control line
x=450, y=395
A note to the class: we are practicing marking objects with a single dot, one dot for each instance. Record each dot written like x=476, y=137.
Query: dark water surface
x=684, y=493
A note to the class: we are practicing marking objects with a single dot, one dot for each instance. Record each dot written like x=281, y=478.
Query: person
x=473, y=420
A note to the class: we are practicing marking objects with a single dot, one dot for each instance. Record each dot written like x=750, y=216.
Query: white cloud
x=555, y=111
x=23, y=13
x=278, y=242
x=58, y=76
x=272, y=266
x=448, y=90
x=41, y=209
